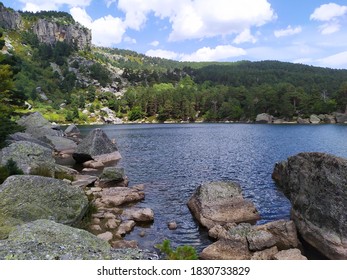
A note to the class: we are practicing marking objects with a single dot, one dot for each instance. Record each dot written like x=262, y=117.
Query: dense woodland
x=154, y=88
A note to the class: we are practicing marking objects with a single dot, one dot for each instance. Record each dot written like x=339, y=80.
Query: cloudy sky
x=313, y=32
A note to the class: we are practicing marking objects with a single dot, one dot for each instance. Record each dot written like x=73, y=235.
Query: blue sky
x=303, y=31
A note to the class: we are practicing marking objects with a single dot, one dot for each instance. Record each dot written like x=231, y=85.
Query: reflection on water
x=172, y=160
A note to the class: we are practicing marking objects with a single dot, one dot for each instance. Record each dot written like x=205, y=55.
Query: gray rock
x=303, y=121
x=314, y=119
x=95, y=145
x=220, y=203
x=284, y=233
x=50, y=32
x=28, y=156
x=28, y=198
x=260, y=240
x=117, y=196
x=47, y=240
x=315, y=183
x=20, y=136
x=72, y=130
x=341, y=118
x=236, y=249
x=37, y=126
x=60, y=144
x=10, y=19
x=111, y=176
x=291, y=254
x=267, y=254
x=264, y=118
x=139, y=214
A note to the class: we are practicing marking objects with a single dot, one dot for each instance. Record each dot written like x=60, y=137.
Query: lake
x=172, y=160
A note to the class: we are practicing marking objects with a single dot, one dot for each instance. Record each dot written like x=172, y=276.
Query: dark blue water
x=172, y=160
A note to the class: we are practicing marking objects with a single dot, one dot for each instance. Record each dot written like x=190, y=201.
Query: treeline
x=187, y=100
x=10, y=98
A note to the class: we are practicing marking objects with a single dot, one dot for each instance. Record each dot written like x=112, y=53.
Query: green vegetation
x=9, y=169
x=67, y=85
x=10, y=97
x=180, y=253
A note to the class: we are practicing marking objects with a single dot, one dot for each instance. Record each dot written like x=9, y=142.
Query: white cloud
x=81, y=16
x=329, y=28
x=331, y=14
x=244, y=37
x=218, y=53
x=106, y=31
x=328, y=12
x=199, y=18
x=222, y=52
x=154, y=43
x=288, y=31
x=338, y=60
x=162, y=53
x=129, y=40
x=43, y=5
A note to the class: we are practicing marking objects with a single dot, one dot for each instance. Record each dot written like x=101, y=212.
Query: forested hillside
x=69, y=80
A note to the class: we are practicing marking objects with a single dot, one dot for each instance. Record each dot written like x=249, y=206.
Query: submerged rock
x=29, y=198
x=96, y=146
x=47, y=240
x=315, y=183
x=220, y=203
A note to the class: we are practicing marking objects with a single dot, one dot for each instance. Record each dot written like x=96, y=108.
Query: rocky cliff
x=48, y=30
x=10, y=19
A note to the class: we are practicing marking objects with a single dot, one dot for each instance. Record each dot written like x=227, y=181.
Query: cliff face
x=49, y=32
x=10, y=19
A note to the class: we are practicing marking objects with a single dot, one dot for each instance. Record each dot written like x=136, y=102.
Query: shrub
x=41, y=171
x=180, y=253
x=9, y=169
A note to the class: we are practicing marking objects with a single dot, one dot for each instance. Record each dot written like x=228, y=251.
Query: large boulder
x=25, y=198
x=60, y=144
x=37, y=126
x=28, y=156
x=264, y=118
x=221, y=203
x=96, y=146
x=316, y=185
x=22, y=136
x=47, y=240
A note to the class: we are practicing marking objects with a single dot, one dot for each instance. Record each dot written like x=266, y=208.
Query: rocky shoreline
x=42, y=208
x=96, y=207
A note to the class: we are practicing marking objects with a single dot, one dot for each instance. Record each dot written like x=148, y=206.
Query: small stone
x=112, y=223
x=95, y=228
x=142, y=233
x=96, y=189
x=125, y=244
x=172, y=225
x=109, y=215
x=107, y=236
x=96, y=221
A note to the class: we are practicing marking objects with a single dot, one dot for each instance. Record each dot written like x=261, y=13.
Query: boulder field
x=39, y=213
